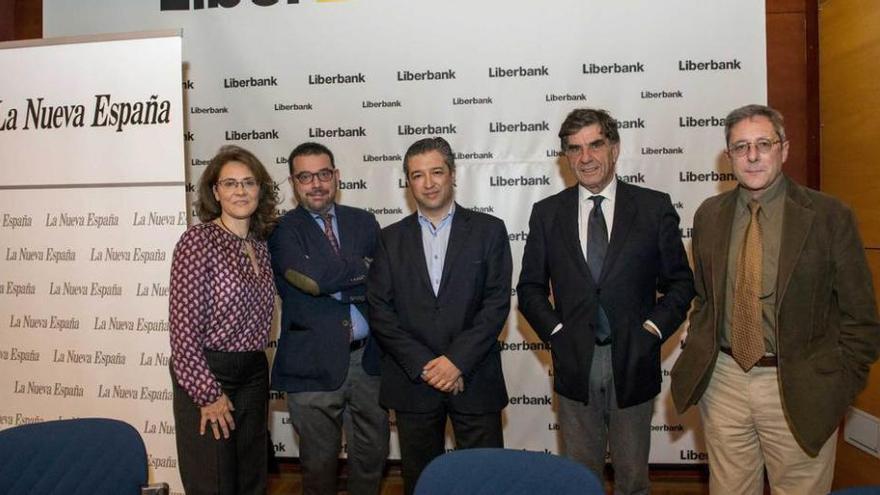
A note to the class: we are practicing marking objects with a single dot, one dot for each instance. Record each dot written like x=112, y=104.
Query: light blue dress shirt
x=434, y=241
x=360, y=329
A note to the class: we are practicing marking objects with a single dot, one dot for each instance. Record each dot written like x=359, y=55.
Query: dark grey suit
x=645, y=256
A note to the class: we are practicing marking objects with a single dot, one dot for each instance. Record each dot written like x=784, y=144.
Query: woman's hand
x=219, y=415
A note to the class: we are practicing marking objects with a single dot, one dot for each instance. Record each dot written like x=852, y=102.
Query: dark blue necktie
x=597, y=247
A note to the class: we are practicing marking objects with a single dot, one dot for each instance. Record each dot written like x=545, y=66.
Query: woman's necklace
x=246, y=248
x=230, y=230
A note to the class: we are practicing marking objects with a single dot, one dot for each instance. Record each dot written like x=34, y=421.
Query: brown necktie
x=747, y=334
x=328, y=231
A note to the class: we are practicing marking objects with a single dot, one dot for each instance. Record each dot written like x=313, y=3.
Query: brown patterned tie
x=328, y=231
x=747, y=334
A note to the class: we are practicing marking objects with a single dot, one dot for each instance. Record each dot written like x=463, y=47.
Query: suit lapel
x=624, y=214
x=797, y=220
x=720, y=232
x=304, y=214
x=458, y=238
x=307, y=218
x=567, y=220
x=413, y=245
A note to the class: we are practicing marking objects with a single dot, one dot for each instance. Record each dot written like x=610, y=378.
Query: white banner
x=92, y=203
x=496, y=78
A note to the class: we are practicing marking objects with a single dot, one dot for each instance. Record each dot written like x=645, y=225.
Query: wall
x=849, y=50
x=849, y=41
x=21, y=19
x=791, y=70
x=792, y=82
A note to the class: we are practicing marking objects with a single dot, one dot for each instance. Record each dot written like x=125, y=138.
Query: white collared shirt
x=585, y=206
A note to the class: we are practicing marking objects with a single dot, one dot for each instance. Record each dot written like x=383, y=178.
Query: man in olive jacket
x=816, y=330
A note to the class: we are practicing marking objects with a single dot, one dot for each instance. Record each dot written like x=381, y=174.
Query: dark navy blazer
x=313, y=348
x=645, y=257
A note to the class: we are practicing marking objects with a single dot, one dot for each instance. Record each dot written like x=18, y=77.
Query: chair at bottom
x=508, y=472
x=89, y=456
x=858, y=490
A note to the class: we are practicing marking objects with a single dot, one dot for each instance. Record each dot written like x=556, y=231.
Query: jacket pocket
x=828, y=361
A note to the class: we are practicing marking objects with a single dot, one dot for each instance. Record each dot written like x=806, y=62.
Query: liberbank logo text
x=165, y=5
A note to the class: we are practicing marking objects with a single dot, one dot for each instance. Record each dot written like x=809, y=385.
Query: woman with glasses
x=220, y=310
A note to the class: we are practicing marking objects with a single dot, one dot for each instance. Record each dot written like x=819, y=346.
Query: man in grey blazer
x=784, y=326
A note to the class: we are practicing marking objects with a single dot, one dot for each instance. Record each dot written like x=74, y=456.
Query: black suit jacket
x=462, y=322
x=313, y=348
x=645, y=256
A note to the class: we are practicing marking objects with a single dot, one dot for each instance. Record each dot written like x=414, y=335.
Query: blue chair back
x=858, y=490
x=508, y=472
x=91, y=456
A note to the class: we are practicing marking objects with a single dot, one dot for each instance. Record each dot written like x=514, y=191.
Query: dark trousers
x=319, y=419
x=422, y=437
x=237, y=465
x=590, y=430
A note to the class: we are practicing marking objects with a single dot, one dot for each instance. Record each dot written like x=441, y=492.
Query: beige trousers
x=746, y=431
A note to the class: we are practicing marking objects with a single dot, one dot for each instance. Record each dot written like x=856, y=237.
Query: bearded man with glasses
x=327, y=360
x=784, y=327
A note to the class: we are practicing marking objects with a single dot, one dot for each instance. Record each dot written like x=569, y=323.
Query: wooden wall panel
x=21, y=19
x=786, y=6
x=787, y=91
x=849, y=94
x=29, y=19
x=855, y=467
x=7, y=20
x=869, y=400
x=850, y=103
